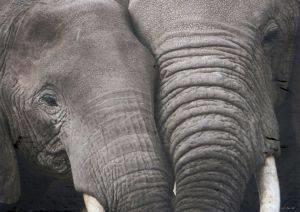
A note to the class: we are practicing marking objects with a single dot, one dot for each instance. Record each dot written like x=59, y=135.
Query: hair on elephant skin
x=76, y=95
x=225, y=68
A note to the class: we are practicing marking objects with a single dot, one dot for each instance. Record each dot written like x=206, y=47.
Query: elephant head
x=76, y=93
x=224, y=66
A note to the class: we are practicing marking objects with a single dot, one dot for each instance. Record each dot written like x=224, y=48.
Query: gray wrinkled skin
x=224, y=66
x=76, y=93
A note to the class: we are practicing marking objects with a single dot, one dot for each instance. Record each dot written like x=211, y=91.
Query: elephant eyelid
x=271, y=33
x=271, y=36
x=49, y=103
x=49, y=99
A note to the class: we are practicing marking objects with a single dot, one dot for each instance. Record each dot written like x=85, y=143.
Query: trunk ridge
x=211, y=112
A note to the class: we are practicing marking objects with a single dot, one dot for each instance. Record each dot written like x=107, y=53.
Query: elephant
x=224, y=67
x=77, y=96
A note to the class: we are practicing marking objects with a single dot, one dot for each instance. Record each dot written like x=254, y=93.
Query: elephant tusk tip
x=91, y=204
x=268, y=187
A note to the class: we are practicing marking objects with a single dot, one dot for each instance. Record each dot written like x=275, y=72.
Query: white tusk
x=174, y=189
x=268, y=187
x=91, y=204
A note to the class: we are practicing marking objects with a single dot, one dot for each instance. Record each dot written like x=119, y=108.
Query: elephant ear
x=9, y=173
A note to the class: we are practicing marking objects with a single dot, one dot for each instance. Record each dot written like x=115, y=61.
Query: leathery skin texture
x=224, y=66
x=76, y=96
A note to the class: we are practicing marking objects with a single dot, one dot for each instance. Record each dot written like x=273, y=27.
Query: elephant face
x=224, y=66
x=77, y=86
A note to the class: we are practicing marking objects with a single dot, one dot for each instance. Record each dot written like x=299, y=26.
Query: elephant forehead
x=84, y=70
x=77, y=39
x=54, y=20
x=83, y=64
x=72, y=10
x=229, y=11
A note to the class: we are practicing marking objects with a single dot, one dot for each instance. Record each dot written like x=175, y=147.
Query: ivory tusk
x=268, y=187
x=91, y=204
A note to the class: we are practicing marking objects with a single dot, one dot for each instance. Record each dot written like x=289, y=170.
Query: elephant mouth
x=52, y=158
x=56, y=164
x=55, y=159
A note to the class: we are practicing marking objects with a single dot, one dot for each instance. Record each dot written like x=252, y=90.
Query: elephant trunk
x=120, y=164
x=210, y=151
x=212, y=103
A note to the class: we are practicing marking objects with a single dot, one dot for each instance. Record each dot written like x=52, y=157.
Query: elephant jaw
x=268, y=186
x=91, y=204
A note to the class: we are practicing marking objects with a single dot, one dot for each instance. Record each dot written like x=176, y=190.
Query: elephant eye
x=50, y=100
x=271, y=36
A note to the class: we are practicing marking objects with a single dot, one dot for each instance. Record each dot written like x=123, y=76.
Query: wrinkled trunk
x=120, y=164
x=216, y=98
x=212, y=108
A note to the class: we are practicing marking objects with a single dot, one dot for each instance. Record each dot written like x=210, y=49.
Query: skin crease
x=77, y=94
x=224, y=66
x=80, y=95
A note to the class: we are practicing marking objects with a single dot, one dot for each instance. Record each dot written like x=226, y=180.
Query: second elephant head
x=224, y=66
